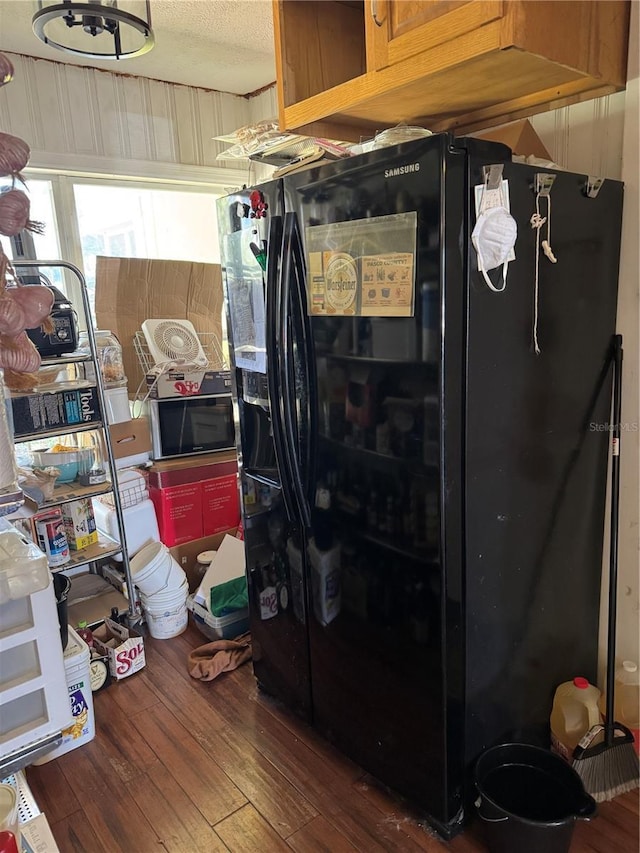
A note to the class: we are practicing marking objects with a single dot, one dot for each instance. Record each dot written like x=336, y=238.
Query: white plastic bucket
x=167, y=614
x=165, y=596
x=154, y=570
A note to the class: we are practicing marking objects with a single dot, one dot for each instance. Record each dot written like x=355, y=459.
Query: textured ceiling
x=216, y=44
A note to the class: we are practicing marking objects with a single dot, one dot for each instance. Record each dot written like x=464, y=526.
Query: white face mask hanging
x=495, y=232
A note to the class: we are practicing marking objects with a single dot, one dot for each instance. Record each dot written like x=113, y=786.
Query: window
x=86, y=217
x=28, y=245
x=137, y=222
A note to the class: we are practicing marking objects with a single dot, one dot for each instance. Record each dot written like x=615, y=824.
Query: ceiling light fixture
x=118, y=29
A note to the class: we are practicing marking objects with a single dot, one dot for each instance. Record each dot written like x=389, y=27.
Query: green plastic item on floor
x=229, y=596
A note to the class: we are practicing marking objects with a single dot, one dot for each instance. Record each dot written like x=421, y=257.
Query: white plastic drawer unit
x=33, y=692
x=15, y=617
x=23, y=715
x=19, y=664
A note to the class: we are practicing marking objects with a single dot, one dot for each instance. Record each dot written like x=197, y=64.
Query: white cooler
x=140, y=524
x=77, y=657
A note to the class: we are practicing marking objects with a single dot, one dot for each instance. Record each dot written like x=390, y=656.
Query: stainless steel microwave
x=186, y=426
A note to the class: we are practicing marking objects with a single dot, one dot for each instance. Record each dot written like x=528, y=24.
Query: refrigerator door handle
x=295, y=332
x=309, y=364
x=273, y=339
x=287, y=374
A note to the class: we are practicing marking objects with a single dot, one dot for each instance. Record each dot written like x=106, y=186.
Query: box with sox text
x=123, y=646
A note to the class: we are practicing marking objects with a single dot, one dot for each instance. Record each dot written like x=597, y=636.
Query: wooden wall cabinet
x=346, y=68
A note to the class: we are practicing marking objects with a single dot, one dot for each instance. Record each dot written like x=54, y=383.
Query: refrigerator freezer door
x=273, y=540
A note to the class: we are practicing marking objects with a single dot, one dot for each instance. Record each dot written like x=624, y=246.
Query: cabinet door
x=399, y=29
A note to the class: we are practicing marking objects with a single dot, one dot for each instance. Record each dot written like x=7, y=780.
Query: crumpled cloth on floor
x=207, y=662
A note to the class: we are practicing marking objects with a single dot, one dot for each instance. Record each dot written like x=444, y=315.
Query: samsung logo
x=402, y=170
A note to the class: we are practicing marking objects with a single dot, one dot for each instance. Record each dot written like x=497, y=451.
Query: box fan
x=174, y=340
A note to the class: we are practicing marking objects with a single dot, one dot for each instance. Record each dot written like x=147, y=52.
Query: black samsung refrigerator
x=423, y=451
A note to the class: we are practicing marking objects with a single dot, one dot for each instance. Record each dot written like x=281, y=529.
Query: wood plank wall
x=82, y=113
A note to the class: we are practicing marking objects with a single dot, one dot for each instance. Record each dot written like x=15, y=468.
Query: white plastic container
x=166, y=612
x=109, y=351
x=163, y=590
x=140, y=524
x=575, y=711
x=77, y=670
x=325, y=581
x=133, y=460
x=218, y=627
x=154, y=570
x=23, y=567
x=117, y=405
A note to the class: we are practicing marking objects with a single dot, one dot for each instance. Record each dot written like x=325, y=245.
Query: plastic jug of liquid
x=626, y=700
x=575, y=711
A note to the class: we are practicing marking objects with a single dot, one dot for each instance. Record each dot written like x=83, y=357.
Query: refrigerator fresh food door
x=274, y=540
x=378, y=618
x=537, y=435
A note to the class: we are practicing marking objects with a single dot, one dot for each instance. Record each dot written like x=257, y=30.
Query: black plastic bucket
x=529, y=799
x=61, y=587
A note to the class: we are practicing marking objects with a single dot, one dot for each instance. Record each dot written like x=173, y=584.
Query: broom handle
x=613, y=545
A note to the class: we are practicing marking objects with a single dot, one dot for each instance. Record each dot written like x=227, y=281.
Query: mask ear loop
x=505, y=267
x=537, y=221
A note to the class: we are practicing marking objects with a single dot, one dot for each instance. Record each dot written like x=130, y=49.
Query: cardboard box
x=220, y=504
x=79, y=523
x=520, y=137
x=186, y=554
x=96, y=608
x=192, y=469
x=131, y=290
x=123, y=646
x=188, y=383
x=195, y=496
x=33, y=413
x=130, y=438
x=179, y=512
x=116, y=577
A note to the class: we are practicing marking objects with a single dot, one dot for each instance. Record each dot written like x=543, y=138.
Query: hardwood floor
x=179, y=765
